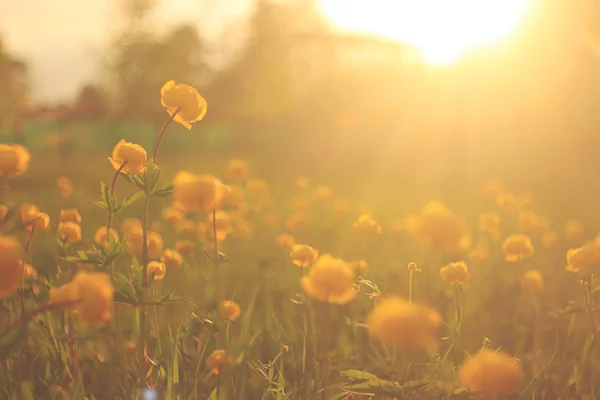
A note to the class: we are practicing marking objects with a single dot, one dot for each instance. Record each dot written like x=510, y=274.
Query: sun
x=442, y=30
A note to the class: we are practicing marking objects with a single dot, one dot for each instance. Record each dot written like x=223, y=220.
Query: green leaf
x=163, y=190
x=151, y=177
x=12, y=338
x=566, y=310
x=129, y=201
x=171, y=297
x=135, y=179
x=357, y=375
x=124, y=290
x=102, y=204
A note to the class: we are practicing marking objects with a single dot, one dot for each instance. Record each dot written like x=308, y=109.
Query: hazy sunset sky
x=62, y=40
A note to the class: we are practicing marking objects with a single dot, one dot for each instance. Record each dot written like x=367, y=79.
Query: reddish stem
x=161, y=136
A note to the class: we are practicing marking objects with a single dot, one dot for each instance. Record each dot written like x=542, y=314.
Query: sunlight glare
x=442, y=30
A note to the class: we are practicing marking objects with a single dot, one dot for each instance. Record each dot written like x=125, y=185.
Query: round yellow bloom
x=70, y=232
x=507, y=202
x=491, y=223
x=441, y=227
x=296, y=222
x=573, y=229
x=185, y=227
x=517, y=248
x=96, y=293
x=533, y=281
x=11, y=266
x=221, y=222
x=218, y=361
x=285, y=240
x=70, y=215
x=237, y=169
x=549, y=239
x=131, y=226
x=492, y=372
x=185, y=246
x=65, y=186
x=235, y=196
x=303, y=255
x=322, y=193
x=257, y=188
x=397, y=322
x=229, y=309
x=135, y=244
x=172, y=215
x=185, y=100
x=409, y=224
x=33, y=218
x=330, y=280
x=582, y=259
x=132, y=153
x=101, y=238
x=67, y=293
x=367, y=225
x=455, y=273
x=172, y=258
x=14, y=159
x=529, y=221
x=199, y=193
x=158, y=269
x=302, y=182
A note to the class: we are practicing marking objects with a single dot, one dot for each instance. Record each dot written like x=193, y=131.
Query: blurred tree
x=140, y=62
x=14, y=96
x=90, y=104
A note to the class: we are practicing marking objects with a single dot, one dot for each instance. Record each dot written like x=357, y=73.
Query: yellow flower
x=184, y=246
x=322, y=193
x=397, y=322
x=367, y=225
x=237, y=168
x=302, y=182
x=507, y=202
x=549, y=239
x=582, y=258
x=409, y=224
x=199, y=193
x=67, y=293
x=412, y=266
x=185, y=227
x=65, y=186
x=257, y=188
x=492, y=372
x=218, y=361
x=34, y=219
x=96, y=293
x=229, y=309
x=131, y=226
x=455, y=273
x=221, y=222
x=70, y=215
x=529, y=221
x=340, y=207
x=285, y=240
x=11, y=266
x=185, y=100
x=303, y=255
x=172, y=215
x=101, y=238
x=491, y=223
x=296, y=222
x=132, y=154
x=441, y=227
x=480, y=252
x=533, y=281
x=330, y=280
x=14, y=159
x=157, y=269
x=70, y=232
x=517, y=248
x=573, y=229
x=234, y=196
x=135, y=244
x=172, y=258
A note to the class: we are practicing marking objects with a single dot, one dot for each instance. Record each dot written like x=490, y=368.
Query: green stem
x=25, y=253
x=410, y=287
x=460, y=315
x=325, y=373
x=586, y=286
x=142, y=296
x=161, y=135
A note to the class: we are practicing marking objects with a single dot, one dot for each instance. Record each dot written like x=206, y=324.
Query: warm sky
x=61, y=40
